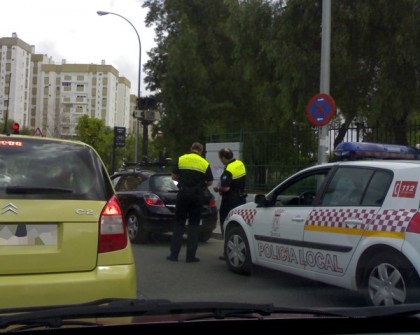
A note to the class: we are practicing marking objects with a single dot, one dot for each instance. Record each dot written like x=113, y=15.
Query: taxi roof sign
x=366, y=150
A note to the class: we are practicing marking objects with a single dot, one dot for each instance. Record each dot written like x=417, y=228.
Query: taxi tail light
x=414, y=225
x=112, y=229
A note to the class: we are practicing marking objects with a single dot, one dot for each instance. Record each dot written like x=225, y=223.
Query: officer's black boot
x=176, y=242
x=192, y=244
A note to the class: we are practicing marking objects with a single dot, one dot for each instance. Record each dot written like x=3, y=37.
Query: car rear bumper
x=117, y=281
x=160, y=225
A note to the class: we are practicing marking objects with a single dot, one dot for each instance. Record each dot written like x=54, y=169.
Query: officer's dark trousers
x=189, y=205
x=229, y=201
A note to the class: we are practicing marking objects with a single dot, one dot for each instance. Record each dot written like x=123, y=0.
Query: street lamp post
x=102, y=13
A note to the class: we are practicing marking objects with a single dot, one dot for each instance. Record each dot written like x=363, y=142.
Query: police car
x=352, y=223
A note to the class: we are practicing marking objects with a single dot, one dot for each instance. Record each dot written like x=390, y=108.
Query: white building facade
x=39, y=94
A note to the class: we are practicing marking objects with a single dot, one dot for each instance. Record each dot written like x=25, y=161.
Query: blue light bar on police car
x=363, y=150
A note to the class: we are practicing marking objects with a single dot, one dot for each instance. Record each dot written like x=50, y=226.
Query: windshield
x=48, y=170
x=237, y=159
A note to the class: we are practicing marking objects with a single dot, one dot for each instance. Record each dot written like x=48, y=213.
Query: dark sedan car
x=148, y=198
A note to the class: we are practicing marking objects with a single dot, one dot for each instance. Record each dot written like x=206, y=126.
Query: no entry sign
x=320, y=109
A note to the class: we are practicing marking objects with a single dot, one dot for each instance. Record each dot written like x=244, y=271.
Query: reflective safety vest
x=193, y=162
x=237, y=169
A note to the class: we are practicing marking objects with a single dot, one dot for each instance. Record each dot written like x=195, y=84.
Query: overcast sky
x=72, y=30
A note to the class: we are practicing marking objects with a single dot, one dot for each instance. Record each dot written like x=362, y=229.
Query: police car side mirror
x=260, y=200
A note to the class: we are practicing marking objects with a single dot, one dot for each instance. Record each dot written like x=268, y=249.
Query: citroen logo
x=9, y=208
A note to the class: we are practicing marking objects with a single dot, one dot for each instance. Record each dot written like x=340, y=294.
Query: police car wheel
x=237, y=252
x=389, y=280
x=135, y=232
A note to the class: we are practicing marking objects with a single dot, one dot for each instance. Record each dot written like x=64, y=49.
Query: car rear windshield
x=32, y=168
x=163, y=183
x=144, y=182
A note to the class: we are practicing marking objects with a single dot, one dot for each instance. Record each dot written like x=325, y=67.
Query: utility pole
x=325, y=74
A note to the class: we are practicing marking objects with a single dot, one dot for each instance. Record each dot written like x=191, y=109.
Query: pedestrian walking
x=232, y=185
x=193, y=174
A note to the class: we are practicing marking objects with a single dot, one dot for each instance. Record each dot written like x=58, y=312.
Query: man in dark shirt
x=232, y=185
x=193, y=174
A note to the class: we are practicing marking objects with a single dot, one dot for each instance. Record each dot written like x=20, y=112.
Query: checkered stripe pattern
x=389, y=220
x=392, y=220
x=247, y=214
x=335, y=217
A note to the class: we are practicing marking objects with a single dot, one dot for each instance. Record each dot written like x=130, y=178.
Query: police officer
x=232, y=185
x=193, y=174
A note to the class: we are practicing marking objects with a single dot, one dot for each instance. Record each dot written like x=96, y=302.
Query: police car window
x=347, y=187
x=300, y=192
x=377, y=188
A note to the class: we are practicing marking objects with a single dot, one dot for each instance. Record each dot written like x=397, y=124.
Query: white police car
x=353, y=224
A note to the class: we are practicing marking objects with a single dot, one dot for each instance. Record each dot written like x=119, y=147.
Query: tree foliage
x=93, y=131
x=252, y=65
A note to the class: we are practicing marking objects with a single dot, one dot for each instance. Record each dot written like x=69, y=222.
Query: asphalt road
x=211, y=280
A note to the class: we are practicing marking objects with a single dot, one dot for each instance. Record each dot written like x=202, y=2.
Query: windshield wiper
x=61, y=314
x=55, y=323
x=56, y=315
x=36, y=190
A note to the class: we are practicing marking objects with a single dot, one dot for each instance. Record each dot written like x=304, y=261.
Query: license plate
x=25, y=234
x=201, y=222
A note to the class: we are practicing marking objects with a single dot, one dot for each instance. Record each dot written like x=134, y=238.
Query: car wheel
x=135, y=231
x=389, y=280
x=237, y=251
x=204, y=236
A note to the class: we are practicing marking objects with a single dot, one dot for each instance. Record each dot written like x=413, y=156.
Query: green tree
x=184, y=67
x=93, y=131
x=228, y=65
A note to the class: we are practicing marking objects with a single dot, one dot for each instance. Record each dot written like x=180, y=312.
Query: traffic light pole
x=144, y=105
x=145, y=124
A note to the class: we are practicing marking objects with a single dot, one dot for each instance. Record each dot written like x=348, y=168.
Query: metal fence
x=272, y=156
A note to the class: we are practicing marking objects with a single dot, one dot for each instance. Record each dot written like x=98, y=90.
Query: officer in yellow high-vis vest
x=193, y=174
x=232, y=185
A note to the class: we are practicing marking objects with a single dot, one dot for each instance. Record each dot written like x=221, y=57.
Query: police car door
x=350, y=200
x=279, y=224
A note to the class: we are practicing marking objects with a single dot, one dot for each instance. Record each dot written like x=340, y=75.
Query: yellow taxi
x=63, y=239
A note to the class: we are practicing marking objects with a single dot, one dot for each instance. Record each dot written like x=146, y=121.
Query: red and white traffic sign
x=38, y=132
x=320, y=109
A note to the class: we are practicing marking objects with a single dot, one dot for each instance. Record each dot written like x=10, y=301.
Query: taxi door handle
x=298, y=219
x=353, y=222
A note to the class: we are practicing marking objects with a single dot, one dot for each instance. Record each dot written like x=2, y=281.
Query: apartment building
x=15, y=83
x=40, y=94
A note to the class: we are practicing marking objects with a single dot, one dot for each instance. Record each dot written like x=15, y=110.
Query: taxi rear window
x=48, y=169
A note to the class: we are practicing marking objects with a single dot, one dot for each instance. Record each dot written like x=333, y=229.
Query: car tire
x=204, y=236
x=134, y=229
x=237, y=251
x=390, y=280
